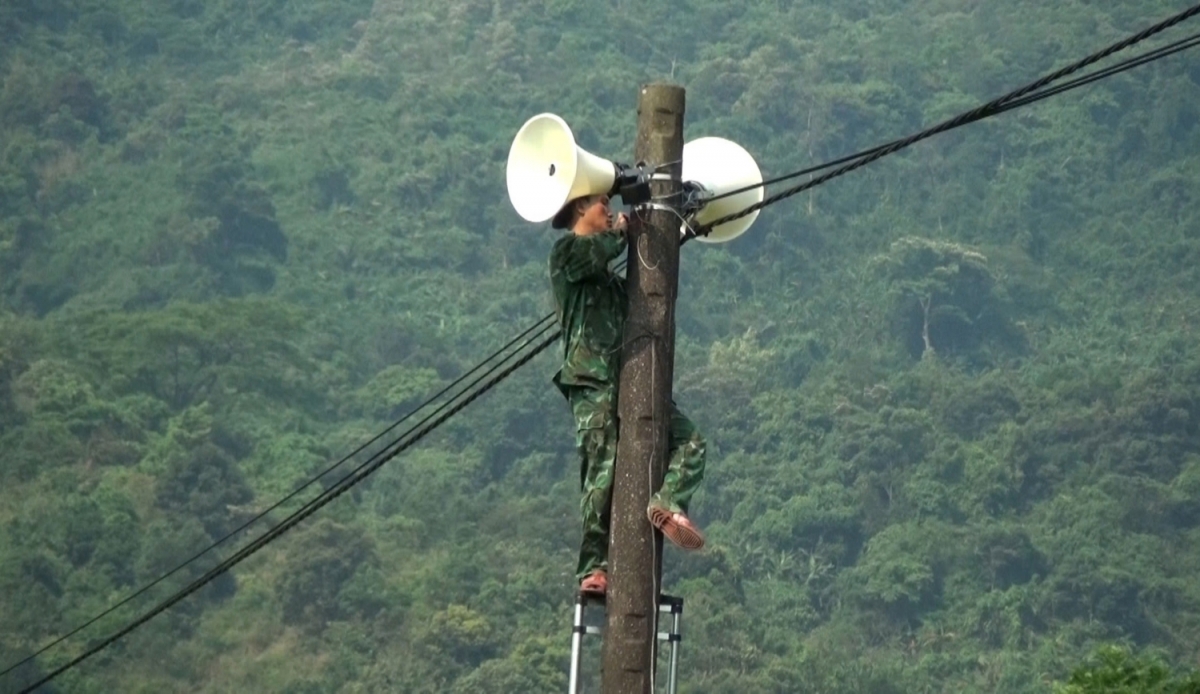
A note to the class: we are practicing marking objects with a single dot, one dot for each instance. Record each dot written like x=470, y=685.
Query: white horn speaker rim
x=547, y=169
x=721, y=166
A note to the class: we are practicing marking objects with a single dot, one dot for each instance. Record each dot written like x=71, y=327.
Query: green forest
x=952, y=399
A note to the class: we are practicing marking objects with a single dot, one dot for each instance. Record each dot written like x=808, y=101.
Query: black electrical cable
x=1148, y=57
x=543, y=324
x=351, y=477
x=530, y=334
x=1129, y=64
x=1020, y=97
x=295, y=518
x=537, y=329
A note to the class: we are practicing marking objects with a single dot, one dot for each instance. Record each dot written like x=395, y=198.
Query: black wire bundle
x=1020, y=97
x=516, y=353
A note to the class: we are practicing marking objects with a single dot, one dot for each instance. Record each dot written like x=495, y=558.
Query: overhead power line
x=1137, y=61
x=359, y=474
x=528, y=334
x=1019, y=97
x=1148, y=57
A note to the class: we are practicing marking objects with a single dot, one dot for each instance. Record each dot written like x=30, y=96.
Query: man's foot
x=676, y=527
x=596, y=583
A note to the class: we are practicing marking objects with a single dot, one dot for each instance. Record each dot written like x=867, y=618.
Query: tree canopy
x=951, y=397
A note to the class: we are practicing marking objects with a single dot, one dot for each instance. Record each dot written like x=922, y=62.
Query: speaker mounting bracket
x=633, y=183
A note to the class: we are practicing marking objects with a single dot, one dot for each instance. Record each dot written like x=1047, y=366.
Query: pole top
x=665, y=89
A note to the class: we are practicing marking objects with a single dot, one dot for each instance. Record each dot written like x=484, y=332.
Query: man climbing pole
x=590, y=301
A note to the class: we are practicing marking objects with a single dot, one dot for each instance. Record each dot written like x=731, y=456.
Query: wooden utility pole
x=644, y=400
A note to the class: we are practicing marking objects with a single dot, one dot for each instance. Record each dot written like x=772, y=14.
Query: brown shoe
x=676, y=527
x=596, y=583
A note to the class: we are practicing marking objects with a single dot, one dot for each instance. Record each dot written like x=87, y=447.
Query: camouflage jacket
x=590, y=302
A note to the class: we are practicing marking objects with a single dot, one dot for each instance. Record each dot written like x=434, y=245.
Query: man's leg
x=596, y=439
x=685, y=470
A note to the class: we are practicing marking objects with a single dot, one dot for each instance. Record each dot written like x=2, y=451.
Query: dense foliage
x=953, y=398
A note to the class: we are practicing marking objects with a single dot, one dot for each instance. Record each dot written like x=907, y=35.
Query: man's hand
x=621, y=223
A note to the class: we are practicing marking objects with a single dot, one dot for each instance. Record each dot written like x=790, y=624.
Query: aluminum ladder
x=667, y=604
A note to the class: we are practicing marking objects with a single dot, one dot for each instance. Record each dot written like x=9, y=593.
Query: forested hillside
x=952, y=399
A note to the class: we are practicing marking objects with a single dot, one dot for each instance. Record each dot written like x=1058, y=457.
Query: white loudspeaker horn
x=719, y=166
x=546, y=169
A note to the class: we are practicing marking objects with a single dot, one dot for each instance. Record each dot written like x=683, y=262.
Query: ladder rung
x=667, y=604
x=596, y=631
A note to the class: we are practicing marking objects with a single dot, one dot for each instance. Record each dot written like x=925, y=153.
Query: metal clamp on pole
x=643, y=206
x=686, y=230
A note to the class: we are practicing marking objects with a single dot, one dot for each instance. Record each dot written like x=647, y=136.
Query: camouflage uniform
x=591, y=302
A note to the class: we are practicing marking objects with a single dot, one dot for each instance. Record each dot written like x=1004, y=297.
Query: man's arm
x=587, y=257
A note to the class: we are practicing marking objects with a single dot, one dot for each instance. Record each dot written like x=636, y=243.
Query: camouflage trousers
x=595, y=411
